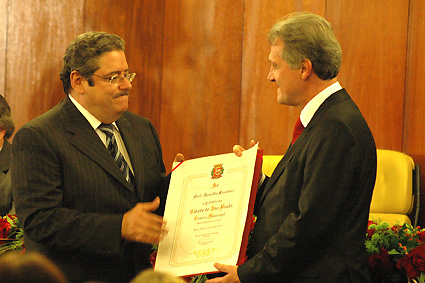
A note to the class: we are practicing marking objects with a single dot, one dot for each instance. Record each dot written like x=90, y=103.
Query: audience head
x=6, y=122
x=83, y=53
x=151, y=276
x=28, y=267
x=308, y=36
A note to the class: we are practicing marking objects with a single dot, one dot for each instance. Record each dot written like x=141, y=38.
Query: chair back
x=269, y=163
x=397, y=188
x=395, y=192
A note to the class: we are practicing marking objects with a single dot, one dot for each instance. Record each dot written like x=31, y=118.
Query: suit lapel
x=85, y=139
x=5, y=154
x=338, y=96
x=283, y=162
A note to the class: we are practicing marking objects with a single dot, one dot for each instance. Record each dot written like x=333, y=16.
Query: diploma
x=208, y=212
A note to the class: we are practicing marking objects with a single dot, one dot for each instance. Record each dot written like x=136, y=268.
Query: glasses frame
x=117, y=79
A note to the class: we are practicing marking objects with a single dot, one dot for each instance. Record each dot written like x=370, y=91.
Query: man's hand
x=177, y=160
x=231, y=277
x=237, y=149
x=179, y=157
x=139, y=224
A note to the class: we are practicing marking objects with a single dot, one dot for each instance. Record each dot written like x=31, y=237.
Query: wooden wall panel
x=202, y=66
x=262, y=118
x=3, y=41
x=140, y=24
x=201, y=77
x=414, y=134
x=37, y=34
x=373, y=37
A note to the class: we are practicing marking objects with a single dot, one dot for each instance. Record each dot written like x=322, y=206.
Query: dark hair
x=308, y=36
x=30, y=267
x=83, y=54
x=6, y=121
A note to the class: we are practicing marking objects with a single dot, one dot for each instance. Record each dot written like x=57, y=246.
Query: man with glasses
x=88, y=175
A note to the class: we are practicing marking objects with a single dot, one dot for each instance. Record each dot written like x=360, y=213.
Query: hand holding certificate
x=208, y=203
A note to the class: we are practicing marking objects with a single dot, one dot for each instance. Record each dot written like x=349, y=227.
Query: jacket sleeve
x=6, y=199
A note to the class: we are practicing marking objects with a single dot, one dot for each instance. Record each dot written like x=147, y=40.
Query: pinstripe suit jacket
x=313, y=211
x=71, y=196
x=6, y=200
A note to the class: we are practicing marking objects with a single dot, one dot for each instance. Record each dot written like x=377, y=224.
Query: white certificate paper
x=206, y=213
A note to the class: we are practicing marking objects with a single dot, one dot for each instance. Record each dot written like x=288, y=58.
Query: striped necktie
x=112, y=146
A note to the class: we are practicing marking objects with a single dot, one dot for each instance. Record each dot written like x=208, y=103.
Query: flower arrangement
x=11, y=234
x=396, y=253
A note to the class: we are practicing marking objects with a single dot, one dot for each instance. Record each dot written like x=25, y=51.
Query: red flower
x=421, y=235
x=381, y=264
x=414, y=262
x=396, y=228
x=370, y=231
x=4, y=229
x=12, y=216
x=152, y=258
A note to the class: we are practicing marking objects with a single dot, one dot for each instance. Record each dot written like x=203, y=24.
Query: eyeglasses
x=117, y=79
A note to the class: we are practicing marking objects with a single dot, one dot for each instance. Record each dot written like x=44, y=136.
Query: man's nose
x=270, y=76
x=125, y=84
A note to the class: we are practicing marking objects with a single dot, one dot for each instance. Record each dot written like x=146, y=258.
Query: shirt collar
x=310, y=109
x=94, y=122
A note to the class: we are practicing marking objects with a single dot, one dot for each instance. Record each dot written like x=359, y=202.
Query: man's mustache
x=121, y=94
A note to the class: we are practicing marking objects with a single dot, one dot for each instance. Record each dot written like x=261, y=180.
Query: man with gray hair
x=88, y=175
x=313, y=211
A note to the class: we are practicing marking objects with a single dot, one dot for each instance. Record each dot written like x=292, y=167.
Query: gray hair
x=308, y=36
x=83, y=54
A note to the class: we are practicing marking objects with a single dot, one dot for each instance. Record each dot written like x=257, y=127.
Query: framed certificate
x=208, y=212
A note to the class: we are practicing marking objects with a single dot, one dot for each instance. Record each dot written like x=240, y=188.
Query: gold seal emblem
x=217, y=171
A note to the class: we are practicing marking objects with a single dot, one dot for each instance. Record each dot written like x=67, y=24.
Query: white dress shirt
x=310, y=109
x=95, y=123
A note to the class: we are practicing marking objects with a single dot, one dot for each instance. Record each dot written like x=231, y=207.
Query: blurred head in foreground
x=151, y=276
x=29, y=268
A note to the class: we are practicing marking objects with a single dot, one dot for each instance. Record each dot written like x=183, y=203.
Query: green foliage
x=390, y=248
x=11, y=234
x=199, y=279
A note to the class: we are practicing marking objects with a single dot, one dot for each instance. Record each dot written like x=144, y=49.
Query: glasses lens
x=130, y=77
x=115, y=79
x=118, y=79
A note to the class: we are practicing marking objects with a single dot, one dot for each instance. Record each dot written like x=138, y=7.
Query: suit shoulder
x=131, y=115
x=46, y=126
x=137, y=119
x=51, y=116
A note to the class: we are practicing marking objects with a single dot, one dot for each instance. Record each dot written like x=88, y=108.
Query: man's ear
x=306, y=69
x=77, y=82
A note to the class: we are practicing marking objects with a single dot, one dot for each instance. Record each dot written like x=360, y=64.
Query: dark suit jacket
x=313, y=211
x=71, y=196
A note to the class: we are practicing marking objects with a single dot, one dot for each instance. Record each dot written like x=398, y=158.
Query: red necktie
x=297, y=130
